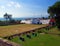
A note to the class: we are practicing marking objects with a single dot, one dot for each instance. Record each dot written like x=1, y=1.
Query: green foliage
x=54, y=10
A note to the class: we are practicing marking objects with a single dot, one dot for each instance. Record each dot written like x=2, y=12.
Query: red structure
x=52, y=22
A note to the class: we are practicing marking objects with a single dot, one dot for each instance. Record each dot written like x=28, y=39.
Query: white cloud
x=13, y=4
x=3, y=7
x=9, y=5
x=17, y=5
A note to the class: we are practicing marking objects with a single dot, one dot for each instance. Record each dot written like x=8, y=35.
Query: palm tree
x=6, y=16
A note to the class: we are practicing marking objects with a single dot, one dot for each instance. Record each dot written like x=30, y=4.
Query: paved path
x=4, y=42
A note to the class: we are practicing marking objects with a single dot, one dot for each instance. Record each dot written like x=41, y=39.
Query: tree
x=54, y=11
x=10, y=17
x=6, y=16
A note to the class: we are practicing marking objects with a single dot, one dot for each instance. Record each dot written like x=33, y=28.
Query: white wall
x=45, y=21
x=26, y=21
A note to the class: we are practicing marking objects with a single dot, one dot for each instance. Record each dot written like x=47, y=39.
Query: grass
x=54, y=30
x=40, y=39
x=16, y=29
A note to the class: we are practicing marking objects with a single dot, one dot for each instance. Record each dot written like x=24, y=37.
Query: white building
x=35, y=21
x=45, y=21
x=26, y=21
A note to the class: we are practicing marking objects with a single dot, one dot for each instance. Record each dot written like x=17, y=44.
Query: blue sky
x=25, y=8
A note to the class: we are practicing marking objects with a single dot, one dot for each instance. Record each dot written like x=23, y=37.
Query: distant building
x=26, y=22
x=45, y=21
x=36, y=21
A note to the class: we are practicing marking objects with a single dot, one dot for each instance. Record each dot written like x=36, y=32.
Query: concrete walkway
x=4, y=42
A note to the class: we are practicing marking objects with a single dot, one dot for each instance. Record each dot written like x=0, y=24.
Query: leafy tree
x=54, y=11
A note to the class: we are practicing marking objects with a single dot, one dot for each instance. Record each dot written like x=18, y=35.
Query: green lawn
x=39, y=40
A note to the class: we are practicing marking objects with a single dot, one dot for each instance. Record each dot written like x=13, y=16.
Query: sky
x=25, y=8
